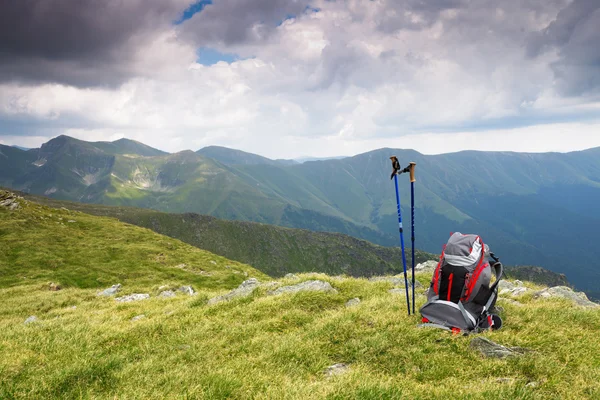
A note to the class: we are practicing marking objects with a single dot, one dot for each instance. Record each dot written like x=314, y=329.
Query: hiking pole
x=396, y=170
x=412, y=166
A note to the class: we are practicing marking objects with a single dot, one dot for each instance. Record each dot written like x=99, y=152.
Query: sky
x=292, y=78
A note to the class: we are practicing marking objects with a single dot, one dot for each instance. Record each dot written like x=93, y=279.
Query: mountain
x=272, y=250
x=229, y=156
x=532, y=209
x=127, y=146
x=21, y=148
x=61, y=340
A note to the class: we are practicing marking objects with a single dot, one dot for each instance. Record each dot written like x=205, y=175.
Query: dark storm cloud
x=575, y=36
x=231, y=22
x=78, y=42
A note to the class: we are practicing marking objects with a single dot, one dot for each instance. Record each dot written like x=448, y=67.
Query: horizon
x=296, y=79
x=300, y=159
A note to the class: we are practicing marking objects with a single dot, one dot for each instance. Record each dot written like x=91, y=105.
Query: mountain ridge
x=553, y=194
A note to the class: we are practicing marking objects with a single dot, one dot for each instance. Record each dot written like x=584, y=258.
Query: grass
x=260, y=347
x=271, y=347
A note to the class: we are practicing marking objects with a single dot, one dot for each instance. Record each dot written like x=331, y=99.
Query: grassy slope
x=261, y=347
x=266, y=347
x=39, y=245
x=271, y=249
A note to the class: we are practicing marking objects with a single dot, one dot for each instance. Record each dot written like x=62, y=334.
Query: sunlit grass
x=259, y=347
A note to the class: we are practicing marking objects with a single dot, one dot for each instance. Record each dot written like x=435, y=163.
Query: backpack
x=460, y=296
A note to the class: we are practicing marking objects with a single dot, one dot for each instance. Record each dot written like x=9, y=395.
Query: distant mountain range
x=533, y=209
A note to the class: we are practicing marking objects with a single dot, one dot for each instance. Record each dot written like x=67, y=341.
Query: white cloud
x=354, y=76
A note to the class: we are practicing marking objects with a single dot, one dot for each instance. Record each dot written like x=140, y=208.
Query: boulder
x=187, y=290
x=353, y=302
x=495, y=350
x=427, y=266
x=313, y=286
x=336, y=369
x=565, y=292
x=504, y=284
x=111, y=291
x=133, y=297
x=244, y=290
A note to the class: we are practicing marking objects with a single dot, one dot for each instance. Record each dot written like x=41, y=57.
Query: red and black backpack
x=460, y=296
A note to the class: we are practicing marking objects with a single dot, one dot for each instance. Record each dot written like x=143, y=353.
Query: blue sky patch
x=191, y=10
x=208, y=56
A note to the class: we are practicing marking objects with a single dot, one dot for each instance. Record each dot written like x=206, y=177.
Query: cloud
x=307, y=77
x=84, y=42
x=574, y=36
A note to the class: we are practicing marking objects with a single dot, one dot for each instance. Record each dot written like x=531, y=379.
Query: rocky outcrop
x=10, y=200
x=427, y=266
x=336, y=369
x=187, y=290
x=133, y=297
x=111, y=291
x=313, y=286
x=565, y=292
x=244, y=290
x=495, y=350
x=353, y=302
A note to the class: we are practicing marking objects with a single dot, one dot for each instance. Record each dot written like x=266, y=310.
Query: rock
x=336, y=369
x=138, y=317
x=30, y=320
x=518, y=283
x=566, y=293
x=291, y=276
x=271, y=284
x=167, y=293
x=73, y=307
x=133, y=297
x=10, y=200
x=54, y=287
x=314, y=286
x=187, y=290
x=532, y=384
x=519, y=291
x=505, y=380
x=353, y=302
x=71, y=221
x=494, y=350
x=427, y=266
x=244, y=290
x=505, y=285
x=213, y=262
x=514, y=291
x=111, y=291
